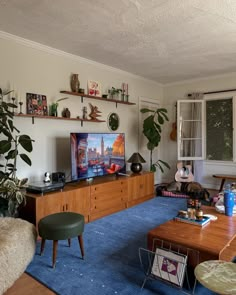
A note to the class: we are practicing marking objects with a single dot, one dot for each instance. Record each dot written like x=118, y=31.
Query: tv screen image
x=96, y=154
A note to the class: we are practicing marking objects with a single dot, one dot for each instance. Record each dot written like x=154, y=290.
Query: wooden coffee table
x=215, y=240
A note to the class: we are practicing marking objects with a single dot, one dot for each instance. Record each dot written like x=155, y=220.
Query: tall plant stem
x=150, y=160
x=14, y=171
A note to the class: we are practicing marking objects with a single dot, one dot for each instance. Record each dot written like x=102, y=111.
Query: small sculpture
x=65, y=113
x=84, y=112
x=47, y=177
x=94, y=112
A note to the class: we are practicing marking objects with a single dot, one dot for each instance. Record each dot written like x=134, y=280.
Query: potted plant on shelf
x=152, y=128
x=53, y=107
x=12, y=192
x=114, y=92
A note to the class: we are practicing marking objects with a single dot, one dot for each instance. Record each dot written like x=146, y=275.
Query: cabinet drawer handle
x=66, y=207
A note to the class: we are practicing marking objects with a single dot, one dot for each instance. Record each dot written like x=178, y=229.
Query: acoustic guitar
x=173, y=134
x=184, y=173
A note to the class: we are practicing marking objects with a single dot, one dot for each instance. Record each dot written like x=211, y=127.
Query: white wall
x=174, y=92
x=30, y=67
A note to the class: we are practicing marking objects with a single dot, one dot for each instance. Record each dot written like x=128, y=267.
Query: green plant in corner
x=12, y=192
x=152, y=129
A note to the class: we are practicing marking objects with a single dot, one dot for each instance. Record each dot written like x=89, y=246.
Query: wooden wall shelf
x=82, y=95
x=57, y=118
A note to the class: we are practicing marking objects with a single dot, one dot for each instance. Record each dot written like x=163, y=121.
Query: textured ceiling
x=162, y=40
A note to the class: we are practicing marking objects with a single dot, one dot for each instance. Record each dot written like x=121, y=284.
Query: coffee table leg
x=222, y=185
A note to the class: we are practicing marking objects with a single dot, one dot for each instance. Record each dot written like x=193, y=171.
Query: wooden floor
x=26, y=285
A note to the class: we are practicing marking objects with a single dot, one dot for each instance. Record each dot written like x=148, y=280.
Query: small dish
x=212, y=217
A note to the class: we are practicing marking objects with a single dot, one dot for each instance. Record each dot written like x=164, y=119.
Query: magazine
x=169, y=266
x=197, y=222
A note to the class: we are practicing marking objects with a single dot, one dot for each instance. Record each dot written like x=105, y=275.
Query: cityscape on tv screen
x=97, y=154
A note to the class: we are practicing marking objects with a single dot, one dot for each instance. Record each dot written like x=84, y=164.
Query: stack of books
x=205, y=220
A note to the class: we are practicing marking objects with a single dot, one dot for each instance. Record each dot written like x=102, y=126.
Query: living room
x=43, y=64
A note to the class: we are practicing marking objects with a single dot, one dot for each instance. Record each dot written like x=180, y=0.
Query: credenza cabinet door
x=78, y=201
x=140, y=188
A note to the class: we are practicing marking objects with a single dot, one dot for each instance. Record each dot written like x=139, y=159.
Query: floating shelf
x=82, y=95
x=33, y=116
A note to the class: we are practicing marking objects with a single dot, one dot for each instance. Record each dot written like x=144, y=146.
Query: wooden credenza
x=104, y=196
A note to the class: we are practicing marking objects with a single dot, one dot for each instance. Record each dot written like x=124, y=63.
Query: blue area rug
x=111, y=264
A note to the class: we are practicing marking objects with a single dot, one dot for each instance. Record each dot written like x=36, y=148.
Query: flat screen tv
x=96, y=154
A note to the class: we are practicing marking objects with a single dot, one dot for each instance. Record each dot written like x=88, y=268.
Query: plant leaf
x=144, y=110
x=5, y=146
x=25, y=158
x=26, y=142
x=160, y=119
x=164, y=163
x=12, y=154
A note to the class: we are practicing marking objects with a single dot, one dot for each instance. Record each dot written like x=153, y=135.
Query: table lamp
x=136, y=159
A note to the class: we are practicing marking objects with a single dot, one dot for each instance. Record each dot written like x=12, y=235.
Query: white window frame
x=179, y=137
x=218, y=96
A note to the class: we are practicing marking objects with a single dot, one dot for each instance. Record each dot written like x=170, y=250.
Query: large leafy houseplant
x=12, y=192
x=152, y=129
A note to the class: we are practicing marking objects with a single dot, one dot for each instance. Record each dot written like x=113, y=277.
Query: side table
x=217, y=275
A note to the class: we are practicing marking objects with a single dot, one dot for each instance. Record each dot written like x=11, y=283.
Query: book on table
x=205, y=220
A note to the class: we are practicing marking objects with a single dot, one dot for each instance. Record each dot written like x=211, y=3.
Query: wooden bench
x=223, y=178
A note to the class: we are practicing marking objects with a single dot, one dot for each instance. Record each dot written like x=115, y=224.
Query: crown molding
x=189, y=81
x=51, y=50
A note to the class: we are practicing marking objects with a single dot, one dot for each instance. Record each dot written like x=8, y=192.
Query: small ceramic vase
x=66, y=113
x=74, y=83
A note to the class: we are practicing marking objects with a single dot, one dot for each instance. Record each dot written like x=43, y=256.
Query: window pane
x=219, y=129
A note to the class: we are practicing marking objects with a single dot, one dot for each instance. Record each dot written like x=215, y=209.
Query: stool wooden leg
x=69, y=242
x=54, y=253
x=42, y=246
x=81, y=243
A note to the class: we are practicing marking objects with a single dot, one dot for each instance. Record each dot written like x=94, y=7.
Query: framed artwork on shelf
x=169, y=266
x=36, y=104
x=94, y=88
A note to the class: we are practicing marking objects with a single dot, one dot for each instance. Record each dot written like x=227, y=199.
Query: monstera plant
x=152, y=129
x=12, y=192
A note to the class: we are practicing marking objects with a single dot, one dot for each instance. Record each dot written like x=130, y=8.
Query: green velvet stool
x=61, y=226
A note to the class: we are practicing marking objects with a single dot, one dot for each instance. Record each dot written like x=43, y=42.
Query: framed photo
x=169, y=266
x=36, y=104
x=94, y=88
